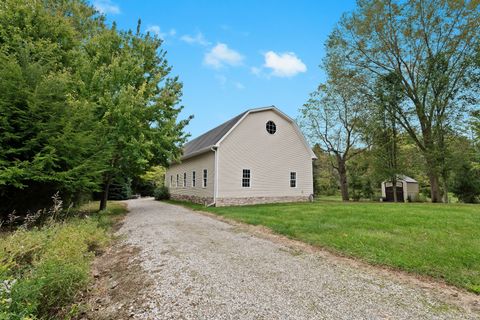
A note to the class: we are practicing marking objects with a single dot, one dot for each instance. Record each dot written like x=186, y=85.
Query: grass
x=436, y=240
x=43, y=269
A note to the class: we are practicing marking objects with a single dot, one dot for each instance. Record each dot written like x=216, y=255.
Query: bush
x=162, y=193
x=43, y=269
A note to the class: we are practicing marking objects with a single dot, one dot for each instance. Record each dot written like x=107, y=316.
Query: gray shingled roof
x=210, y=138
x=406, y=178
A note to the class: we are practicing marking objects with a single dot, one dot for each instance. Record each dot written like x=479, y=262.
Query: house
x=259, y=156
x=407, y=189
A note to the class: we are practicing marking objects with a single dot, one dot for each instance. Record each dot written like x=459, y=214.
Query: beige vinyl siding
x=270, y=159
x=197, y=164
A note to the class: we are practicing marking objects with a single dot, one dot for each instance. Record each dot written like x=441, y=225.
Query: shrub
x=43, y=269
x=162, y=193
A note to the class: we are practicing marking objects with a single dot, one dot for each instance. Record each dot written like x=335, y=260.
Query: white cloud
x=197, y=39
x=222, y=55
x=256, y=71
x=106, y=7
x=239, y=85
x=156, y=31
x=284, y=64
x=159, y=33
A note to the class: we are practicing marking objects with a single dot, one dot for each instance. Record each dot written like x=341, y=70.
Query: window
x=271, y=127
x=176, y=185
x=193, y=178
x=246, y=178
x=184, y=179
x=205, y=175
x=293, y=179
x=171, y=181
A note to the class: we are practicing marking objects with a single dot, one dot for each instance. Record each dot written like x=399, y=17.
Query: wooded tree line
x=82, y=104
x=401, y=96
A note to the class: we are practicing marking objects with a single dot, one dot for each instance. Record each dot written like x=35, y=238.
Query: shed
x=407, y=189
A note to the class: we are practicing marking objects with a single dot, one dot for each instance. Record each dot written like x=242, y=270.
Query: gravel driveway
x=203, y=268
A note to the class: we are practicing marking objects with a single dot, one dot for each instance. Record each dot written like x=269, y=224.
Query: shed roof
x=407, y=178
x=404, y=178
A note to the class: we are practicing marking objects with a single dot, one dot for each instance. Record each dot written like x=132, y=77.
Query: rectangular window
x=176, y=185
x=205, y=175
x=184, y=179
x=193, y=178
x=171, y=181
x=246, y=178
x=293, y=179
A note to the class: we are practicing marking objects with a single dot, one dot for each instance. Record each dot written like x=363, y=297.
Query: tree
x=431, y=46
x=332, y=119
x=466, y=183
x=81, y=104
x=136, y=104
x=325, y=178
x=46, y=139
x=384, y=131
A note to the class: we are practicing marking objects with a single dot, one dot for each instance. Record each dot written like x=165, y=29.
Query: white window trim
x=204, y=180
x=184, y=179
x=250, y=180
x=290, y=179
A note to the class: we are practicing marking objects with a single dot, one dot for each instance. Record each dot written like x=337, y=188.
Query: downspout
x=215, y=185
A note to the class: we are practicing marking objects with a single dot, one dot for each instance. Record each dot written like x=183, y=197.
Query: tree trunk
x=394, y=188
x=434, y=186
x=342, y=173
x=104, y=198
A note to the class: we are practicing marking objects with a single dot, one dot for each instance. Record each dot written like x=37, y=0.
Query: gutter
x=215, y=185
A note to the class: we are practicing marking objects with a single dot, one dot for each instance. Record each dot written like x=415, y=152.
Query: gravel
x=203, y=268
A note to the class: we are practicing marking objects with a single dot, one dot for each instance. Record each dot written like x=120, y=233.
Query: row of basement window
x=246, y=178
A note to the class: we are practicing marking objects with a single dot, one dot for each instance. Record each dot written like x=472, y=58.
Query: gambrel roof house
x=259, y=156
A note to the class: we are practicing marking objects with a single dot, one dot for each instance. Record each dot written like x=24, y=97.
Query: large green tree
x=81, y=103
x=333, y=118
x=46, y=139
x=431, y=46
x=135, y=102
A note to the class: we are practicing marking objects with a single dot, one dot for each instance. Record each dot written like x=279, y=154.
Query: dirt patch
x=119, y=287
x=458, y=297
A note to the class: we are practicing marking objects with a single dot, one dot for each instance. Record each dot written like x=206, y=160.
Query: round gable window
x=271, y=127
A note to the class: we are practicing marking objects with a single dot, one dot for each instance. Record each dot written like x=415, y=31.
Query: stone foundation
x=221, y=202
x=194, y=199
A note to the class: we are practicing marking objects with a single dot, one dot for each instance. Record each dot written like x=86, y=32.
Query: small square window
x=293, y=179
x=246, y=178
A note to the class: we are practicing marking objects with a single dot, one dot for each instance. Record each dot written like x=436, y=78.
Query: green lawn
x=438, y=240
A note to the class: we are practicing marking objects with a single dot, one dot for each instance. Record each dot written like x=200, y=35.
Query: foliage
x=333, y=117
x=466, y=184
x=146, y=184
x=430, y=46
x=325, y=178
x=162, y=193
x=423, y=238
x=43, y=269
x=79, y=112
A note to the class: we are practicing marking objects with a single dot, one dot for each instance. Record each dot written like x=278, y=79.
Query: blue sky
x=235, y=55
